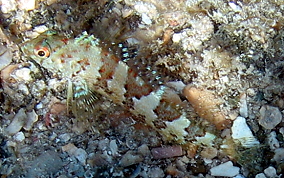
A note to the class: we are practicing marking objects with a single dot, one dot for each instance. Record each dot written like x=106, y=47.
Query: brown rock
x=166, y=152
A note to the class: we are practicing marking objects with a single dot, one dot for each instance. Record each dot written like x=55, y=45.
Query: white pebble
x=26, y=4
x=207, y=139
x=279, y=155
x=23, y=88
x=226, y=169
x=81, y=155
x=113, y=147
x=17, y=123
x=147, y=8
x=146, y=19
x=177, y=37
x=235, y=7
x=19, y=137
x=260, y=175
x=40, y=28
x=272, y=141
x=32, y=117
x=23, y=74
x=64, y=137
x=39, y=106
x=8, y=6
x=5, y=57
x=242, y=133
x=269, y=116
x=270, y=172
x=243, y=105
x=156, y=172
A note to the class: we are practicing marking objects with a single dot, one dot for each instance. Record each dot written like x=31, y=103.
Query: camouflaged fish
x=90, y=70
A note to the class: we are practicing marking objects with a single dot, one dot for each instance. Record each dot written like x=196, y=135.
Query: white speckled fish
x=91, y=70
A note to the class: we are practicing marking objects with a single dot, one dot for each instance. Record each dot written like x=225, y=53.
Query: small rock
x=242, y=133
x=156, y=172
x=144, y=150
x=6, y=73
x=5, y=57
x=113, y=147
x=23, y=74
x=45, y=165
x=26, y=4
x=58, y=108
x=40, y=29
x=260, y=175
x=272, y=141
x=209, y=152
x=270, y=172
x=177, y=37
x=281, y=130
x=147, y=10
x=19, y=137
x=103, y=144
x=239, y=176
x=53, y=136
x=226, y=169
x=32, y=117
x=8, y=6
x=269, y=116
x=17, y=123
x=130, y=158
x=166, y=152
x=176, y=85
x=243, y=105
x=78, y=153
x=279, y=155
x=207, y=139
x=64, y=137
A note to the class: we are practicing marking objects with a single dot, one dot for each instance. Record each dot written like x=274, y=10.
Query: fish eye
x=42, y=52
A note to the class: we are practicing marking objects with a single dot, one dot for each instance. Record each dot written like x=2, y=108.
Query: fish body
x=91, y=70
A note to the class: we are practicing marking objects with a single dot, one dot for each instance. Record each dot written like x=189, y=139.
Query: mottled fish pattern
x=90, y=71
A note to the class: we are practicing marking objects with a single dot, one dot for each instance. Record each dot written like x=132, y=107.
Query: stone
x=5, y=57
x=19, y=137
x=44, y=165
x=272, y=141
x=32, y=117
x=113, y=147
x=226, y=169
x=65, y=137
x=279, y=155
x=207, y=139
x=8, y=6
x=26, y=4
x=130, y=158
x=270, y=172
x=243, y=105
x=143, y=150
x=260, y=175
x=17, y=123
x=209, y=153
x=242, y=133
x=78, y=153
x=269, y=117
x=166, y=152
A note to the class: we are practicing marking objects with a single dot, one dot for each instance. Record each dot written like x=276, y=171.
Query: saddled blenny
x=91, y=71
